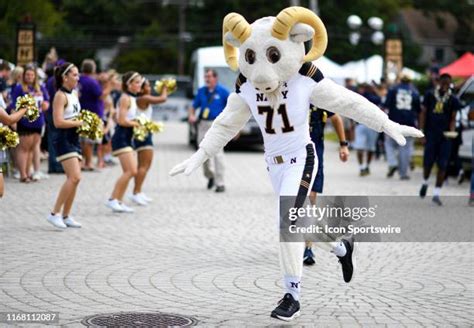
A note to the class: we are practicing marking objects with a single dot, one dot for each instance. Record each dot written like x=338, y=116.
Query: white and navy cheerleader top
x=147, y=112
x=73, y=106
x=132, y=110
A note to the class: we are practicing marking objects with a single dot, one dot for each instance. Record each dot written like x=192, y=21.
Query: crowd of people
x=437, y=113
x=60, y=90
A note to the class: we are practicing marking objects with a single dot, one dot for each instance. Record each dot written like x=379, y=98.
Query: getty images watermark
x=375, y=219
x=314, y=212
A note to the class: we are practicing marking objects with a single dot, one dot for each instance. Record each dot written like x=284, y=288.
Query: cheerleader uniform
x=24, y=127
x=66, y=141
x=122, y=138
x=3, y=153
x=148, y=142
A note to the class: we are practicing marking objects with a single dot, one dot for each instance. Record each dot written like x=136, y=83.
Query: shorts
x=365, y=138
x=122, y=140
x=347, y=122
x=145, y=144
x=437, y=150
x=25, y=131
x=66, y=144
x=319, y=178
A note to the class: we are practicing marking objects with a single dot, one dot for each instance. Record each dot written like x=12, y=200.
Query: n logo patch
x=295, y=284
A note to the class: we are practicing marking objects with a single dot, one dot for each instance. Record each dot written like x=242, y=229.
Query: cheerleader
x=144, y=148
x=7, y=120
x=122, y=139
x=29, y=151
x=66, y=144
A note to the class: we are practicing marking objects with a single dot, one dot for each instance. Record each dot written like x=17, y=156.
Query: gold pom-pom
x=159, y=87
x=146, y=127
x=169, y=83
x=8, y=138
x=32, y=112
x=92, y=125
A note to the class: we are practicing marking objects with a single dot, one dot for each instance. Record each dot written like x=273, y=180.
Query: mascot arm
x=226, y=125
x=338, y=99
x=223, y=129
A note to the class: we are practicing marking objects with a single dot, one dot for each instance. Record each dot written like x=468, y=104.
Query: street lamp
x=375, y=28
x=376, y=25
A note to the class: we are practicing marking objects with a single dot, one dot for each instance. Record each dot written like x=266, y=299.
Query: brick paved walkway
x=214, y=256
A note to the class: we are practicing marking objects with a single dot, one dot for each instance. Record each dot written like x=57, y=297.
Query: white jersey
x=73, y=106
x=147, y=112
x=132, y=110
x=286, y=129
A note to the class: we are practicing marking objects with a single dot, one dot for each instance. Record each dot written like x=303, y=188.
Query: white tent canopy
x=370, y=69
x=365, y=70
x=331, y=69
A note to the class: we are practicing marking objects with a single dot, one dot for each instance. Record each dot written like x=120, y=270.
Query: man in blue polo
x=403, y=105
x=211, y=100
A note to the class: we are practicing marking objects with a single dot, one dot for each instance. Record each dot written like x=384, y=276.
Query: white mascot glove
x=191, y=164
x=398, y=132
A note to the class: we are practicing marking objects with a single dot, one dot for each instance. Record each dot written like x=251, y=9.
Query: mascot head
x=272, y=48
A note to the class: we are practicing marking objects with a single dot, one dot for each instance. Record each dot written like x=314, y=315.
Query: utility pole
x=314, y=6
x=181, y=36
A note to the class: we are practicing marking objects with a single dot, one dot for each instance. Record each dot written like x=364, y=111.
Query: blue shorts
x=437, y=150
x=365, y=138
x=122, y=140
x=66, y=144
x=319, y=178
x=145, y=144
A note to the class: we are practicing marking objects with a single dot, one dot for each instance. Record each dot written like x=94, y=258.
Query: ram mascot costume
x=277, y=84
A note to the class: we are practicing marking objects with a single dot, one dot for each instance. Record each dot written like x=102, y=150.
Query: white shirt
x=73, y=106
x=132, y=110
x=147, y=112
x=2, y=102
x=285, y=130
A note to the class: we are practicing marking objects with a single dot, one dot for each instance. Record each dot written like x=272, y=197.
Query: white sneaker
x=71, y=223
x=36, y=176
x=127, y=209
x=43, y=175
x=16, y=175
x=57, y=221
x=138, y=199
x=145, y=197
x=114, y=205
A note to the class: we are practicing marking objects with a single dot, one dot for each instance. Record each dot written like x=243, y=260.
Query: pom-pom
x=146, y=127
x=169, y=83
x=92, y=125
x=32, y=112
x=8, y=138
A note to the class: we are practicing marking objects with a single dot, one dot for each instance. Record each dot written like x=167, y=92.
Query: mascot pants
x=292, y=175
